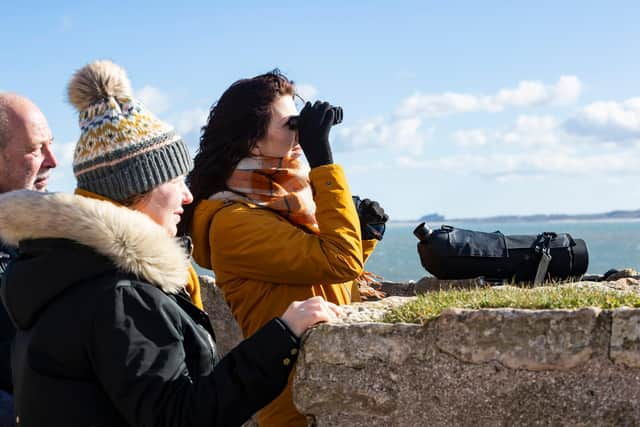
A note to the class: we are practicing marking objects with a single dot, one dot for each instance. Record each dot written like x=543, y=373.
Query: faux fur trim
x=129, y=238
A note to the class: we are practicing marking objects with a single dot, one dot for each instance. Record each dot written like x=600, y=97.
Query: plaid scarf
x=277, y=183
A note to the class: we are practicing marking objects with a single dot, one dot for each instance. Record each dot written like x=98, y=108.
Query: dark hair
x=236, y=122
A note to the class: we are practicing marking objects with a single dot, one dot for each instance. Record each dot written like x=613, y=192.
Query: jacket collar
x=132, y=241
x=200, y=228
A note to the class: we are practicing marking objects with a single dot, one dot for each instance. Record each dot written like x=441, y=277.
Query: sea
x=611, y=244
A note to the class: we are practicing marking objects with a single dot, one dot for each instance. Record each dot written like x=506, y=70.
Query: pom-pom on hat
x=123, y=149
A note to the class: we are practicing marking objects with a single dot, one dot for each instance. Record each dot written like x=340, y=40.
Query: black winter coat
x=7, y=330
x=106, y=334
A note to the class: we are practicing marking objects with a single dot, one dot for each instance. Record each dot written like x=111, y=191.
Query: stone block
x=518, y=339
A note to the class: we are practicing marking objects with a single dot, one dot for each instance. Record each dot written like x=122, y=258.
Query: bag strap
x=545, y=257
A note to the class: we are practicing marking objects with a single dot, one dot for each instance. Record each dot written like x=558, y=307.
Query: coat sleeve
x=260, y=245
x=138, y=354
x=367, y=248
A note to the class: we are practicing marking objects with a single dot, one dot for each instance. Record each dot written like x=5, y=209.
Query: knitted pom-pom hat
x=123, y=149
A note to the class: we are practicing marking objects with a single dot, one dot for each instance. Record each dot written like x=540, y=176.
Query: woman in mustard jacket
x=271, y=230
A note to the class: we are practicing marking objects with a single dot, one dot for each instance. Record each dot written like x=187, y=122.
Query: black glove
x=372, y=218
x=313, y=132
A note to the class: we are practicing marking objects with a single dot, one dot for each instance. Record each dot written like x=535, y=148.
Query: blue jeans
x=7, y=411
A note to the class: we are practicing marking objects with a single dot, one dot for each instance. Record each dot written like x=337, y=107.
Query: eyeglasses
x=294, y=121
x=299, y=101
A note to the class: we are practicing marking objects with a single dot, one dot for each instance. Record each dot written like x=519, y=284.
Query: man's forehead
x=29, y=121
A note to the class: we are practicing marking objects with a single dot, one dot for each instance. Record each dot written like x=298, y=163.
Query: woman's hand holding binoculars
x=314, y=124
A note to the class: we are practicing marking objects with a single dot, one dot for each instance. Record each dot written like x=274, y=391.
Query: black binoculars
x=294, y=121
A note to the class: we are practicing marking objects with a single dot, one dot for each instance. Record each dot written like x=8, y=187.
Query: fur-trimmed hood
x=130, y=239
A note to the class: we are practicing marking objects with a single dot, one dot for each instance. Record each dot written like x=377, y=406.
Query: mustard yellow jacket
x=262, y=262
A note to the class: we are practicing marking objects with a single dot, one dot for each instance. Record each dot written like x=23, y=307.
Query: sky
x=462, y=108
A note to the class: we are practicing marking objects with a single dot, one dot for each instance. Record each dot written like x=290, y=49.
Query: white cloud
x=154, y=99
x=184, y=122
x=527, y=131
x=470, y=138
x=365, y=168
x=526, y=94
x=189, y=120
x=567, y=90
x=530, y=93
x=444, y=104
x=608, y=121
x=404, y=134
x=307, y=91
x=534, y=131
x=536, y=163
x=404, y=131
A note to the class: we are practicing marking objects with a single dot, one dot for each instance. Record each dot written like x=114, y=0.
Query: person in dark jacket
x=107, y=333
x=7, y=333
x=26, y=161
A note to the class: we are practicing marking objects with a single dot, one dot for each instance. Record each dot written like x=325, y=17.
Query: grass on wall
x=430, y=305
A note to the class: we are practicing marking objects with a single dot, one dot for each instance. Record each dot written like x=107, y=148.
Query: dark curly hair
x=236, y=122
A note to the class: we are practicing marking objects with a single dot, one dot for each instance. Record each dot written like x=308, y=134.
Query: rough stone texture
x=625, y=337
x=481, y=368
x=621, y=281
x=621, y=274
x=370, y=311
x=428, y=284
x=632, y=283
x=401, y=289
x=518, y=339
x=227, y=330
x=375, y=374
x=620, y=285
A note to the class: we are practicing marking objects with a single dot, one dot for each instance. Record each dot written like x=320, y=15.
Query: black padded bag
x=455, y=253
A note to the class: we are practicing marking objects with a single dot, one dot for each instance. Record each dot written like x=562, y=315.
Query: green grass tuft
x=430, y=305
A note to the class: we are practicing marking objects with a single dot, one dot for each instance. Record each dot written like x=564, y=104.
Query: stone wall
x=482, y=367
x=225, y=327
x=227, y=330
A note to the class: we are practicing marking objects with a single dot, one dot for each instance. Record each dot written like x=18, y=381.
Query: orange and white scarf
x=277, y=183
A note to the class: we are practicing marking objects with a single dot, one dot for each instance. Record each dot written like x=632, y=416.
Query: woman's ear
x=256, y=151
